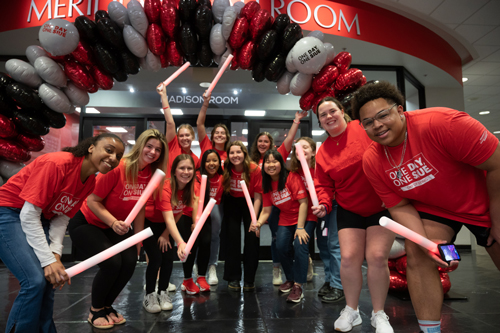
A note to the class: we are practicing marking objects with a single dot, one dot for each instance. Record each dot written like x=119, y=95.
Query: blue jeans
x=34, y=305
x=329, y=248
x=273, y=221
x=294, y=256
x=216, y=218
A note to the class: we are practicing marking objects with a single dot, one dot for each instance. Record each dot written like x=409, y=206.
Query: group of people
x=403, y=165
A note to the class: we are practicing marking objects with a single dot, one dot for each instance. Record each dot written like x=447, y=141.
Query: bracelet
x=166, y=107
x=296, y=122
x=300, y=228
x=181, y=243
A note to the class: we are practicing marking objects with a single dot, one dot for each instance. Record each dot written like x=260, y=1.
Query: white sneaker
x=212, y=275
x=310, y=270
x=150, y=303
x=277, y=280
x=348, y=318
x=171, y=287
x=381, y=322
x=195, y=271
x=165, y=301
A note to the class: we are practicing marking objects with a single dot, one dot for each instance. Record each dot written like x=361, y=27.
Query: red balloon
x=79, y=75
x=102, y=79
x=174, y=54
x=401, y=264
x=342, y=61
x=392, y=264
x=397, y=282
x=93, y=89
x=362, y=82
x=170, y=20
x=164, y=60
x=156, y=39
x=306, y=101
x=261, y=22
x=31, y=143
x=234, y=62
x=325, y=78
x=174, y=3
x=349, y=79
x=13, y=151
x=83, y=53
x=7, y=127
x=249, y=10
x=445, y=281
x=447, y=269
x=247, y=54
x=319, y=97
x=152, y=8
x=239, y=33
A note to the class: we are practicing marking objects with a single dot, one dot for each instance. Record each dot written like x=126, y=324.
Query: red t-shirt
x=205, y=145
x=255, y=182
x=174, y=150
x=181, y=207
x=155, y=206
x=51, y=182
x=339, y=172
x=119, y=196
x=310, y=215
x=282, y=150
x=215, y=184
x=286, y=200
x=439, y=176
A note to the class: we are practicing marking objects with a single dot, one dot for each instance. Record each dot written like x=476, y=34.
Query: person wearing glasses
x=339, y=175
x=435, y=169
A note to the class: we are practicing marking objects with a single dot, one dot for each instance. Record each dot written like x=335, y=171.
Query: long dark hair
x=254, y=151
x=203, y=171
x=82, y=148
x=188, y=194
x=266, y=179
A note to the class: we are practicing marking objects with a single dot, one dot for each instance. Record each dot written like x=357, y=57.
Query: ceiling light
x=205, y=84
x=132, y=142
x=176, y=111
x=132, y=90
x=235, y=92
x=318, y=132
x=244, y=131
x=484, y=112
x=184, y=90
x=464, y=79
x=255, y=113
x=245, y=144
x=91, y=110
x=116, y=129
x=496, y=132
x=195, y=143
x=77, y=109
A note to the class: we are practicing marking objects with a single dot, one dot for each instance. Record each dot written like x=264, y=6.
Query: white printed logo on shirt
x=235, y=185
x=280, y=197
x=132, y=191
x=64, y=203
x=483, y=137
x=416, y=171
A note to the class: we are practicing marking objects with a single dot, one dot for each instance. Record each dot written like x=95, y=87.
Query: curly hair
x=82, y=148
x=254, y=151
x=370, y=92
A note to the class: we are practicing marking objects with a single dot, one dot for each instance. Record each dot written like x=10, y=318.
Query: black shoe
x=247, y=286
x=234, y=285
x=325, y=289
x=333, y=296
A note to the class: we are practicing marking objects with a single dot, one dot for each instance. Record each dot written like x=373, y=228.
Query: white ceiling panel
x=423, y=6
x=482, y=68
x=456, y=11
x=492, y=38
x=487, y=14
x=473, y=32
x=495, y=57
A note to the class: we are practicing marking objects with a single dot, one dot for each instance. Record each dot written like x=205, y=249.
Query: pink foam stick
x=249, y=201
x=409, y=234
x=219, y=74
x=175, y=74
x=112, y=251
x=197, y=228
x=152, y=185
x=307, y=174
x=201, y=201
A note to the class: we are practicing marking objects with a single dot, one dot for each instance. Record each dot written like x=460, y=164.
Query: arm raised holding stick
x=219, y=74
x=174, y=75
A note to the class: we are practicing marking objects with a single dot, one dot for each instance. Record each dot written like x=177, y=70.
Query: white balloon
x=151, y=62
x=309, y=55
x=283, y=84
x=50, y=71
x=217, y=42
x=135, y=41
x=397, y=249
x=23, y=72
x=118, y=13
x=54, y=98
x=58, y=37
x=230, y=15
x=217, y=58
x=224, y=56
x=76, y=95
x=289, y=62
x=35, y=51
x=238, y=6
x=137, y=17
x=300, y=83
x=330, y=53
x=218, y=8
x=316, y=33
x=9, y=169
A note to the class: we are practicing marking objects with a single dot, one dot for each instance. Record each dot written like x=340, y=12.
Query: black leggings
x=201, y=245
x=157, y=259
x=115, y=272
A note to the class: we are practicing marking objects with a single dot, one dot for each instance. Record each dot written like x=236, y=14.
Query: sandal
x=110, y=310
x=99, y=314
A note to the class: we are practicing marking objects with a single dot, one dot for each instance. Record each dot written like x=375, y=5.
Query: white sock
x=429, y=326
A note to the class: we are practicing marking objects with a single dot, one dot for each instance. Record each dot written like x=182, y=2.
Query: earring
x=401, y=117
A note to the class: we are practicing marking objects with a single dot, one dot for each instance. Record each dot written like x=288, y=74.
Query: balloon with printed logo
x=54, y=98
x=205, y=55
x=135, y=42
x=217, y=42
x=118, y=13
x=258, y=71
x=101, y=78
x=218, y=9
x=7, y=127
x=188, y=39
x=79, y=75
x=246, y=55
x=397, y=282
x=101, y=14
x=203, y=22
x=156, y=39
x=59, y=37
x=128, y=62
x=325, y=78
x=13, y=151
x=7, y=105
x=306, y=101
x=33, y=52
x=170, y=21
x=174, y=53
x=283, y=84
x=291, y=35
x=24, y=96
x=31, y=143
x=83, y=53
x=249, y=10
x=111, y=33
x=342, y=61
x=300, y=83
x=52, y=118
x=330, y=53
x=309, y=55
x=276, y=67
x=348, y=79
x=50, y=71
x=280, y=23
x=106, y=58
x=445, y=282
x=29, y=123
x=266, y=47
x=228, y=19
x=346, y=104
x=23, y=72
x=319, y=97
x=239, y=33
x=121, y=75
x=152, y=8
x=260, y=23
x=77, y=96
x=87, y=29
x=187, y=10
x=138, y=18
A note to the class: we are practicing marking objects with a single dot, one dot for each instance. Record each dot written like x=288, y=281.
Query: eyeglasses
x=382, y=116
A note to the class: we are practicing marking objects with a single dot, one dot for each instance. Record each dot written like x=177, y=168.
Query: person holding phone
x=436, y=170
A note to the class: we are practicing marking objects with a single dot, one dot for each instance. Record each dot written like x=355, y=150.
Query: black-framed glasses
x=382, y=116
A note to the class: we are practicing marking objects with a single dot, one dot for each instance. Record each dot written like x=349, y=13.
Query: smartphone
x=448, y=252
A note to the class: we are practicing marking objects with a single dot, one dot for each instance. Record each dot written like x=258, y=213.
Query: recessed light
x=116, y=129
x=176, y=111
x=244, y=131
x=318, y=132
x=255, y=113
x=235, y=92
x=132, y=90
x=464, y=79
x=184, y=90
x=496, y=132
x=245, y=144
x=195, y=143
x=205, y=84
x=484, y=112
x=91, y=110
x=132, y=142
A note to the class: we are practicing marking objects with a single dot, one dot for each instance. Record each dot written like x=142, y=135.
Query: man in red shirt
x=436, y=170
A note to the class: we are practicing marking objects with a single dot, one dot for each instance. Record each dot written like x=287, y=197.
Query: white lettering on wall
x=342, y=18
x=288, y=9
x=56, y=9
x=74, y=5
x=276, y=9
x=317, y=19
x=186, y=99
x=48, y=5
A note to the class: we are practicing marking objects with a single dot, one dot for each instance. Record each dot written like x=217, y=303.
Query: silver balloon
x=54, y=98
x=76, y=95
x=397, y=249
x=330, y=53
x=135, y=42
x=238, y=6
x=289, y=62
x=230, y=15
x=300, y=83
x=217, y=42
x=283, y=84
x=118, y=13
x=224, y=56
x=316, y=33
x=218, y=8
x=23, y=72
x=58, y=37
x=33, y=52
x=9, y=169
x=137, y=17
x=151, y=62
x=50, y=71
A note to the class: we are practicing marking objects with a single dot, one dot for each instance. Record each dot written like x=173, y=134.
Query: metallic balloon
x=192, y=58
x=348, y=79
x=152, y=8
x=391, y=263
x=174, y=53
x=325, y=78
x=320, y=96
x=164, y=60
x=79, y=75
x=52, y=118
x=249, y=10
x=120, y=76
x=280, y=23
x=447, y=269
x=13, y=151
x=203, y=22
x=129, y=62
x=235, y=64
x=397, y=282
x=187, y=10
x=106, y=58
x=83, y=53
x=445, y=281
x=267, y=45
x=207, y=3
x=31, y=143
x=170, y=21
x=188, y=39
x=401, y=264
x=101, y=14
x=156, y=39
x=239, y=33
x=87, y=29
x=29, y=123
x=205, y=54
x=5, y=80
x=260, y=23
x=111, y=33
x=342, y=61
x=7, y=105
x=246, y=56
x=276, y=67
x=24, y=96
x=101, y=78
x=306, y=101
x=291, y=35
x=258, y=71
x=7, y=127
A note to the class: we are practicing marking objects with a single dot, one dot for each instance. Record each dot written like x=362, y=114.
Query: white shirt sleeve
x=57, y=231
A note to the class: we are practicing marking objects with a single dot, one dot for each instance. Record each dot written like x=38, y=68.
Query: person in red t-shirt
x=287, y=192
x=100, y=222
x=179, y=139
x=262, y=143
x=339, y=175
x=239, y=167
x=35, y=205
x=435, y=169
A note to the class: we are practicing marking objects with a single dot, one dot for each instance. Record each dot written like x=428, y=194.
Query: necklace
x=341, y=135
x=391, y=160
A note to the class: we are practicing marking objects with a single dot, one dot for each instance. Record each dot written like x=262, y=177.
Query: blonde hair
x=228, y=166
x=188, y=127
x=294, y=162
x=188, y=190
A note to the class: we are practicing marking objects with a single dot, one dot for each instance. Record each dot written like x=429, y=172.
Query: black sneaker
x=325, y=289
x=333, y=296
x=234, y=285
x=247, y=286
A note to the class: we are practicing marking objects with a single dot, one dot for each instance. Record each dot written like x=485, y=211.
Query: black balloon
x=120, y=75
x=258, y=71
x=24, y=96
x=205, y=54
x=129, y=62
x=106, y=58
x=346, y=103
x=87, y=29
x=203, y=22
x=5, y=80
x=29, y=123
x=52, y=118
x=187, y=10
x=280, y=23
x=7, y=105
x=100, y=14
x=188, y=39
x=111, y=33
x=192, y=58
x=267, y=44
x=276, y=67
x=292, y=33
x=205, y=3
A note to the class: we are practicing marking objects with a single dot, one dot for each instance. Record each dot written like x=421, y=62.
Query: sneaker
x=348, y=318
x=190, y=287
x=234, y=285
x=212, y=275
x=248, y=286
x=296, y=295
x=381, y=322
x=202, y=282
x=277, y=280
x=286, y=287
x=325, y=289
x=171, y=287
x=310, y=270
x=150, y=303
x=195, y=271
x=165, y=301
x=333, y=296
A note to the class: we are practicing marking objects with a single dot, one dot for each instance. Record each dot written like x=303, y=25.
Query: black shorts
x=347, y=219
x=481, y=233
